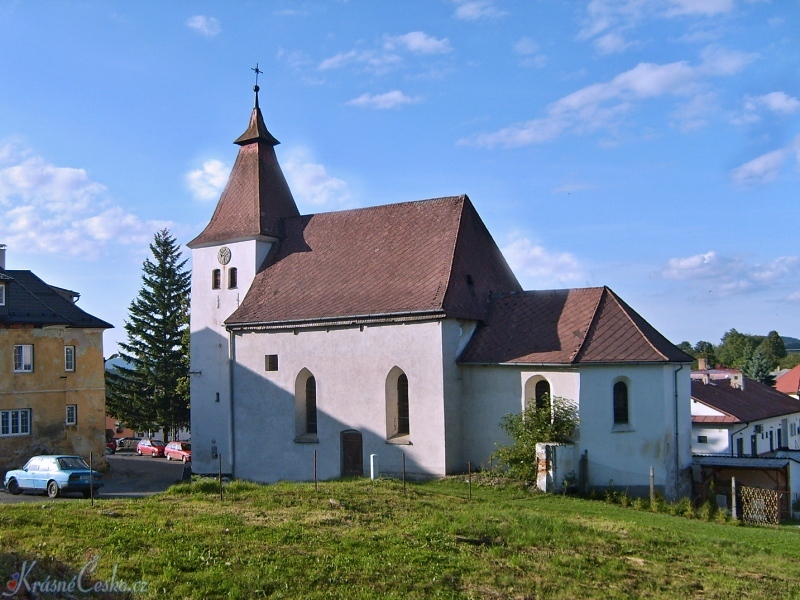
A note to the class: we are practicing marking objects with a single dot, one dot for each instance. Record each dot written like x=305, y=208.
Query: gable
x=753, y=403
x=406, y=260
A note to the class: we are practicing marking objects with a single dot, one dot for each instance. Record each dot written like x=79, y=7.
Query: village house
x=398, y=333
x=52, y=383
x=789, y=382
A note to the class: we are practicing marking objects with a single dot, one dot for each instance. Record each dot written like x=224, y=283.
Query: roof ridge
x=592, y=324
x=624, y=308
x=452, y=261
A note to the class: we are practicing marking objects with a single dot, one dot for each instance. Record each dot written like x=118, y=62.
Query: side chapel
x=400, y=331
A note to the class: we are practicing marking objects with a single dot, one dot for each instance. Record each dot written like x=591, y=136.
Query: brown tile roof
x=714, y=419
x=753, y=403
x=577, y=326
x=789, y=383
x=30, y=301
x=256, y=197
x=431, y=256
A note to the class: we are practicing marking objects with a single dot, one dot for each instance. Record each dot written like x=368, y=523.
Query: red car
x=178, y=451
x=151, y=447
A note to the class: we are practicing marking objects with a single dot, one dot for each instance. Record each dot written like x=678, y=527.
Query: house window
x=69, y=358
x=403, y=424
x=621, y=416
x=2, y=294
x=215, y=279
x=233, y=278
x=15, y=422
x=72, y=414
x=271, y=362
x=23, y=358
x=702, y=439
x=311, y=405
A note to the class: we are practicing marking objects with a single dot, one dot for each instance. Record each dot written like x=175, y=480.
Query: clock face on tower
x=224, y=255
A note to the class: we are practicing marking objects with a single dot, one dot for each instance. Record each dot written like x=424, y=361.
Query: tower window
x=233, y=277
x=271, y=362
x=215, y=279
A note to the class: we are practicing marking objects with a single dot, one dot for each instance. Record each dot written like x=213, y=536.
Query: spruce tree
x=151, y=391
x=757, y=367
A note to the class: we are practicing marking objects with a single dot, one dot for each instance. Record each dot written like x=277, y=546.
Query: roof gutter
x=570, y=364
x=364, y=319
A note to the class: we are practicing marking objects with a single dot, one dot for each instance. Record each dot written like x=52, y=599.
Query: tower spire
x=255, y=87
x=256, y=130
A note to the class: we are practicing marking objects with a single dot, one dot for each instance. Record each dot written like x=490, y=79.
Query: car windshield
x=68, y=463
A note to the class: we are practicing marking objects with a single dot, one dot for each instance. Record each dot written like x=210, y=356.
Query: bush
x=554, y=424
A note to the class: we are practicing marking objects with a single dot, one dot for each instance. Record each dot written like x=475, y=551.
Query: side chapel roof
x=752, y=402
x=574, y=326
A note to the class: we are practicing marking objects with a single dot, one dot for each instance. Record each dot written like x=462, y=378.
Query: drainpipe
x=677, y=420
x=231, y=363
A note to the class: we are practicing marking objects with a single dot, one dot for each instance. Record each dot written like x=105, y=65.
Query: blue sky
x=649, y=145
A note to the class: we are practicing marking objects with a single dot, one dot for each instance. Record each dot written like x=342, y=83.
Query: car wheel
x=52, y=489
x=13, y=487
x=139, y=452
x=169, y=457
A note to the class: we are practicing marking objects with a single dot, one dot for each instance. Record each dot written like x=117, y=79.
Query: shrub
x=554, y=424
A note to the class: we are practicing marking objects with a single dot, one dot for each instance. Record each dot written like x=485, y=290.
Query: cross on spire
x=257, y=72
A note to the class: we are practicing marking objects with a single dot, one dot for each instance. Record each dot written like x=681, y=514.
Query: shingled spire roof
x=257, y=197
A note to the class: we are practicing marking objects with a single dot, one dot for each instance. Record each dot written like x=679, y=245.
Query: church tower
x=226, y=256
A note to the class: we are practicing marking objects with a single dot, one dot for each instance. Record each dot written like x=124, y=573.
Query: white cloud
x=699, y=7
x=385, y=101
x=538, y=266
x=762, y=169
x=794, y=296
x=568, y=188
x=207, y=26
x=778, y=102
x=59, y=210
x=311, y=184
x=529, y=50
x=611, y=43
x=601, y=104
x=207, y=182
x=478, y=10
x=728, y=275
x=418, y=42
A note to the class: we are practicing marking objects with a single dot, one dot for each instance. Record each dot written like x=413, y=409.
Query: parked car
x=111, y=446
x=178, y=451
x=54, y=474
x=151, y=447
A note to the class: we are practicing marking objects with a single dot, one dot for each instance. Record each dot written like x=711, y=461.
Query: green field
x=363, y=539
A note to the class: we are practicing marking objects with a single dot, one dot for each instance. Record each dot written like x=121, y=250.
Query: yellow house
x=52, y=385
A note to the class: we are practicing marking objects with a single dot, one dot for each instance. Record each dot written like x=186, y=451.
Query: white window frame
x=71, y=415
x=15, y=422
x=69, y=358
x=23, y=358
x=2, y=294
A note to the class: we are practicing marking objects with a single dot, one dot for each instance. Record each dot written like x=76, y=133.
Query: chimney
x=702, y=364
x=2, y=256
x=737, y=380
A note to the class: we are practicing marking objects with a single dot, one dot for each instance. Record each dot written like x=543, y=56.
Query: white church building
x=400, y=331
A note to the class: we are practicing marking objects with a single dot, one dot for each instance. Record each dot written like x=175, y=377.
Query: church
x=399, y=331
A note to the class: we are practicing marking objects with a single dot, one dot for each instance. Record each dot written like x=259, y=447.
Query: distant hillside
x=792, y=344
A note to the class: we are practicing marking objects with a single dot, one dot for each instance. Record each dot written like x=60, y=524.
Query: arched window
x=233, y=278
x=311, y=405
x=621, y=416
x=542, y=394
x=305, y=407
x=398, y=412
x=402, y=405
x=215, y=279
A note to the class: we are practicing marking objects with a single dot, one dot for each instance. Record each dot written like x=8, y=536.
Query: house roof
x=431, y=257
x=789, y=383
x=576, y=326
x=753, y=403
x=30, y=301
x=256, y=197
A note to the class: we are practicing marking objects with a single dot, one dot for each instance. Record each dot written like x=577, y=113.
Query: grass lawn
x=363, y=539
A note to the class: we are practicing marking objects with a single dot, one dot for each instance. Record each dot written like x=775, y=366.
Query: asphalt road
x=129, y=476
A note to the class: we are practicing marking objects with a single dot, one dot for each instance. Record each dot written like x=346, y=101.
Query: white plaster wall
x=625, y=454
x=700, y=409
x=789, y=434
x=490, y=392
x=717, y=439
x=209, y=348
x=350, y=366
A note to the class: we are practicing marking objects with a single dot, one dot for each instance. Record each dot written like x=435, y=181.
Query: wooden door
x=352, y=454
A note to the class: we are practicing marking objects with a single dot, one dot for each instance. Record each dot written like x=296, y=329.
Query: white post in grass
x=373, y=466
